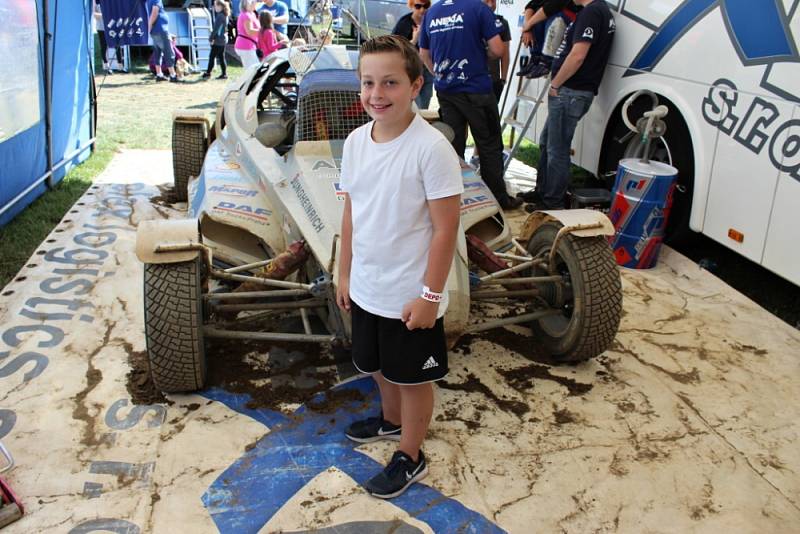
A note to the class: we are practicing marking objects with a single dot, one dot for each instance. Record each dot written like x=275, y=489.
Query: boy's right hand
x=343, y=293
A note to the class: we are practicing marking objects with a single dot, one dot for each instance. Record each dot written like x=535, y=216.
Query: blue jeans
x=423, y=99
x=162, y=47
x=563, y=113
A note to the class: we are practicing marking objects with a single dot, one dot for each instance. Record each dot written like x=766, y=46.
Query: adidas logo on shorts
x=430, y=363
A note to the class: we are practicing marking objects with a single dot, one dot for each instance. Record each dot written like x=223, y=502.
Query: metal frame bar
x=528, y=317
x=266, y=336
x=243, y=295
x=293, y=305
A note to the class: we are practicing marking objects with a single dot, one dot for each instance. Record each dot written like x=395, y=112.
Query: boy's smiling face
x=386, y=90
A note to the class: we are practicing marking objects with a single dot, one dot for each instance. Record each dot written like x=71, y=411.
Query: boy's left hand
x=419, y=313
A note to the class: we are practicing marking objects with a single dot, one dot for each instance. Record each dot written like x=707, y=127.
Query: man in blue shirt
x=280, y=14
x=452, y=43
x=158, y=27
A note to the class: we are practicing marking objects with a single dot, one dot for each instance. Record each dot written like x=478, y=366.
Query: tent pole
x=48, y=175
x=48, y=91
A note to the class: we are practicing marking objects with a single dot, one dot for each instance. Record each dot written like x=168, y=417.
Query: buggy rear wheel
x=189, y=145
x=590, y=298
x=173, y=325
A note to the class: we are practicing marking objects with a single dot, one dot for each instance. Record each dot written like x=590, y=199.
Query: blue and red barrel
x=640, y=206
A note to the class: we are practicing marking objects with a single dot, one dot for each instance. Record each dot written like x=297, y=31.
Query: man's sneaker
x=206, y=75
x=530, y=196
x=222, y=77
x=175, y=79
x=401, y=472
x=510, y=203
x=161, y=78
x=372, y=429
x=541, y=69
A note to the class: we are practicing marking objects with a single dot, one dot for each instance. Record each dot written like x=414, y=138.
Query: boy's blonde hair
x=394, y=43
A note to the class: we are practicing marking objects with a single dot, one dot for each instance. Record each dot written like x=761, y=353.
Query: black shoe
x=532, y=62
x=542, y=69
x=509, y=203
x=174, y=79
x=161, y=78
x=530, y=196
x=372, y=429
x=222, y=77
x=540, y=206
x=401, y=472
x=206, y=75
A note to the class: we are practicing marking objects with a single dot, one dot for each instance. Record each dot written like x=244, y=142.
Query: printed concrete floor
x=689, y=424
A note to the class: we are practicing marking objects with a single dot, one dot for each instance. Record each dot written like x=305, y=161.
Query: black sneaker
x=542, y=69
x=222, y=77
x=161, y=78
x=401, y=472
x=510, y=203
x=174, y=79
x=206, y=75
x=530, y=196
x=372, y=429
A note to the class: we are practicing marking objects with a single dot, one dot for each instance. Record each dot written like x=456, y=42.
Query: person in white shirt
x=403, y=184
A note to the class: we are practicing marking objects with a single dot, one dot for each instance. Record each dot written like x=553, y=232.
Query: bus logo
x=758, y=29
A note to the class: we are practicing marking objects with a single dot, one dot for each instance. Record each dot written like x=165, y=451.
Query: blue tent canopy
x=61, y=57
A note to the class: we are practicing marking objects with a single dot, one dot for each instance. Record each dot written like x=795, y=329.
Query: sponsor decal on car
x=307, y=204
x=232, y=190
x=244, y=210
x=337, y=188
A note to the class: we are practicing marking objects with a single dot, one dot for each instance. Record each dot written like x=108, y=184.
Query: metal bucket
x=640, y=205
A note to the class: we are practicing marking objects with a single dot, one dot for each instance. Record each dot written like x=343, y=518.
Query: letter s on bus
x=718, y=105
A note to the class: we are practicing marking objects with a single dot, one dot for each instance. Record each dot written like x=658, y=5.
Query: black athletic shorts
x=402, y=356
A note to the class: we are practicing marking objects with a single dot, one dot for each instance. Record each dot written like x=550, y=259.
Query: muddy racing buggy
x=262, y=237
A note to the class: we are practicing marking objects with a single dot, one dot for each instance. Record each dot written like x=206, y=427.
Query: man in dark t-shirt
x=576, y=75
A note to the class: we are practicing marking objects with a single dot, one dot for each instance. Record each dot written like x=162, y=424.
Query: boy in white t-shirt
x=403, y=187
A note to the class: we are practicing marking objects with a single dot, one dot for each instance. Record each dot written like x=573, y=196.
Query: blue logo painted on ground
x=252, y=490
x=758, y=29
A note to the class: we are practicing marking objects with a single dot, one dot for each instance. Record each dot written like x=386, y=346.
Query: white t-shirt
x=389, y=185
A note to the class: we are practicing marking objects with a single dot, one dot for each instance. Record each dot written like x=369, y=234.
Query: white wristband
x=431, y=296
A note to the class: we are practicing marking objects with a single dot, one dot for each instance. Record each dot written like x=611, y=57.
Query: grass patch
x=133, y=112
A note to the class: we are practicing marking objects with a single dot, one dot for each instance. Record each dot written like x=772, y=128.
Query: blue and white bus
x=729, y=72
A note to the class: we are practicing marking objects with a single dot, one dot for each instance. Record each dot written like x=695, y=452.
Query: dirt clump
x=292, y=374
x=522, y=378
x=564, y=417
x=166, y=196
x=138, y=381
x=473, y=384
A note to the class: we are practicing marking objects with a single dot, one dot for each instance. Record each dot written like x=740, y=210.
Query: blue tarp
x=23, y=145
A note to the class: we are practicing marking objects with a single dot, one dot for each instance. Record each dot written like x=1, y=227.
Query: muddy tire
x=189, y=145
x=590, y=302
x=173, y=324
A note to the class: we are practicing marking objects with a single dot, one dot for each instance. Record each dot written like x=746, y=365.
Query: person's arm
x=445, y=215
x=534, y=19
x=252, y=26
x=425, y=55
x=281, y=19
x=152, y=19
x=497, y=46
x=345, y=256
x=571, y=65
x=504, y=59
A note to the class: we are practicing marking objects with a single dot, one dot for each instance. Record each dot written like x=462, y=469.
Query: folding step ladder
x=200, y=30
x=510, y=119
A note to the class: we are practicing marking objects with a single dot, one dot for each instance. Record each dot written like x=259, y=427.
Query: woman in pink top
x=267, y=38
x=247, y=33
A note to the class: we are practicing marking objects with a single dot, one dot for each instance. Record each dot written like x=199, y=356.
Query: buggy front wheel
x=173, y=320
x=589, y=299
